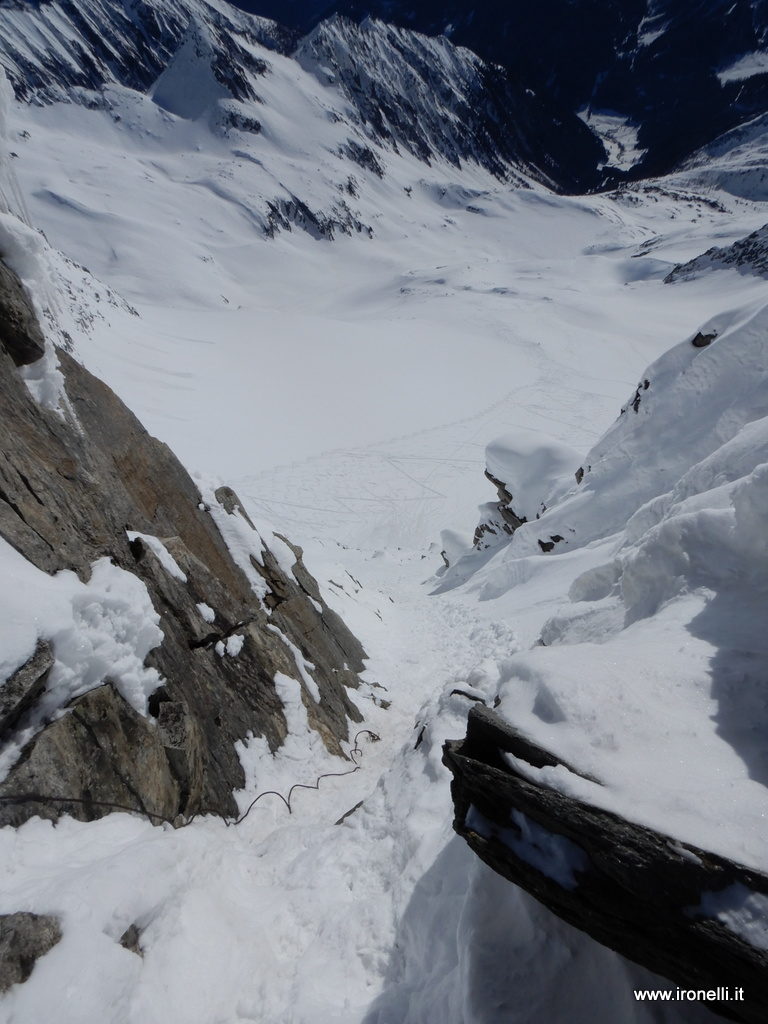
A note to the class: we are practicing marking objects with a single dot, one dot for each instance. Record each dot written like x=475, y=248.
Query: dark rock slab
x=20, y=333
x=24, y=687
x=101, y=756
x=24, y=938
x=637, y=891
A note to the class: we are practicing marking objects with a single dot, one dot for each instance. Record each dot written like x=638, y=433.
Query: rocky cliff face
x=86, y=494
x=438, y=100
x=51, y=50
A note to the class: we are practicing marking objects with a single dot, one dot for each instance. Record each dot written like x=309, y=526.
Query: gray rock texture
x=19, y=692
x=24, y=938
x=499, y=519
x=20, y=332
x=633, y=889
x=70, y=488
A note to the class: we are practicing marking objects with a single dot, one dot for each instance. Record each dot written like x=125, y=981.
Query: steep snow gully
x=346, y=308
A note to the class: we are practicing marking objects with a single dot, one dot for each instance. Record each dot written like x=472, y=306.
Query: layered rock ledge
x=645, y=895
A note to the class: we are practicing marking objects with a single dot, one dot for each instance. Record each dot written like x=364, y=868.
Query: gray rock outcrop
x=20, y=332
x=499, y=519
x=24, y=938
x=71, y=485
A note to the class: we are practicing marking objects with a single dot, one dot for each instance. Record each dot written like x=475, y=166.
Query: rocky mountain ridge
x=389, y=78
x=680, y=73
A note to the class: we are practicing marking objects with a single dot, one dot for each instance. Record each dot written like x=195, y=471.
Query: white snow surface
x=533, y=470
x=206, y=612
x=348, y=390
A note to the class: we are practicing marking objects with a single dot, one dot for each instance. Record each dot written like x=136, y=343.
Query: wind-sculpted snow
x=662, y=647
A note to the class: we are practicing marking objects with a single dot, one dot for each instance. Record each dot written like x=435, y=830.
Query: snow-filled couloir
x=332, y=272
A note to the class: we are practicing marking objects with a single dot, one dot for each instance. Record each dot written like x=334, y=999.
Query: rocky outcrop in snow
x=748, y=255
x=171, y=613
x=24, y=938
x=623, y=780
x=637, y=891
x=528, y=474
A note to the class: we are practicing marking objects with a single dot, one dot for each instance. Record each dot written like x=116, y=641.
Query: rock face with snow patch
x=631, y=888
x=682, y=72
x=440, y=101
x=527, y=472
x=90, y=484
x=499, y=519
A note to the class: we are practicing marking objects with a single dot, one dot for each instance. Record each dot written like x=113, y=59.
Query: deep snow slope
x=339, y=328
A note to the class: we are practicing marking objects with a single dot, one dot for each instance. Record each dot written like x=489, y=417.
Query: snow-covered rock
x=748, y=256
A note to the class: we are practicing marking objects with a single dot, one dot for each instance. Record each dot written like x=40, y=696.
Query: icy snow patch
x=303, y=666
x=230, y=647
x=243, y=542
x=206, y=612
x=554, y=856
x=617, y=134
x=743, y=912
x=163, y=555
x=188, y=87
